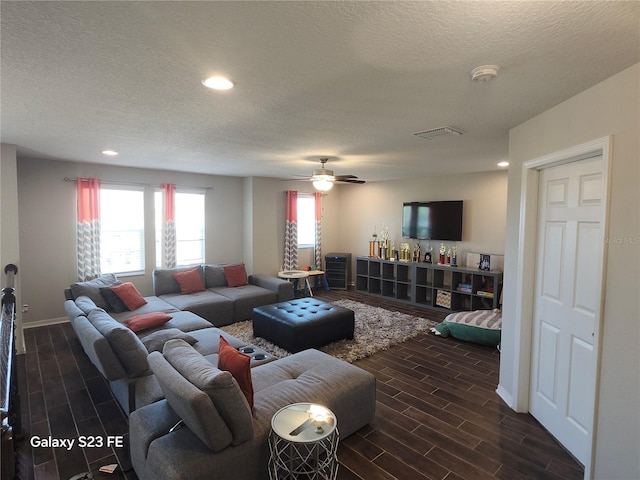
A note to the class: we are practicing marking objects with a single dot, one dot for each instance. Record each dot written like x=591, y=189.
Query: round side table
x=296, y=275
x=303, y=443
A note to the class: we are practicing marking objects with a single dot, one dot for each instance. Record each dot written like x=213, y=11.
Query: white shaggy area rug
x=375, y=329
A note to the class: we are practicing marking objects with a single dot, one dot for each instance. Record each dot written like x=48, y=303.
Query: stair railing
x=9, y=398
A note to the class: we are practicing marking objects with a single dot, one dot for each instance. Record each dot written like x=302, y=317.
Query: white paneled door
x=570, y=250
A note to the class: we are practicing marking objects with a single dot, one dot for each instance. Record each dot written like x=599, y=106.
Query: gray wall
x=48, y=228
x=378, y=205
x=245, y=220
x=609, y=108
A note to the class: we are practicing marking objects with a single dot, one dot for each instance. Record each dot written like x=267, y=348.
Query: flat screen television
x=432, y=220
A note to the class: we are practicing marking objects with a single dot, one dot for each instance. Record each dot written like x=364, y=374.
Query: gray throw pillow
x=115, y=304
x=214, y=276
x=155, y=341
x=91, y=289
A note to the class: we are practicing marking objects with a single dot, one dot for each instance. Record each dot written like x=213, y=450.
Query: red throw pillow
x=129, y=295
x=236, y=275
x=190, y=281
x=147, y=320
x=239, y=365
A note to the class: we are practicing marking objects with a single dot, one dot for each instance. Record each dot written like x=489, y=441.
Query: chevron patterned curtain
x=88, y=228
x=169, y=225
x=318, y=243
x=291, y=232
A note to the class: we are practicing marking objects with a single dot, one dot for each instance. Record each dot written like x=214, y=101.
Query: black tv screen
x=432, y=220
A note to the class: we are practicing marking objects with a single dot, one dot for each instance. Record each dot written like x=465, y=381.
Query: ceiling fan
x=323, y=179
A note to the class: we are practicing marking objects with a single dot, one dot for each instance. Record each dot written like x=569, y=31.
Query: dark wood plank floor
x=438, y=416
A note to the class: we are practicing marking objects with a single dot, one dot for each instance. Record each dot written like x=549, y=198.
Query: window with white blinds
x=121, y=230
x=189, y=221
x=306, y=221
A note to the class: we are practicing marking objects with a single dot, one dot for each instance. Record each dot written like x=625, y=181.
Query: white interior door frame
x=525, y=281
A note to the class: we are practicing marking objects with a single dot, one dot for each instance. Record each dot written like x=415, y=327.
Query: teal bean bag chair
x=483, y=327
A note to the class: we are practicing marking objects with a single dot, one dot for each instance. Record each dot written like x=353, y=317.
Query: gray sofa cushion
x=124, y=343
x=220, y=385
x=193, y=406
x=314, y=376
x=154, y=304
x=97, y=348
x=164, y=282
x=214, y=276
x=211, y=306
x=72, y=310
x=91, y=289
x=179, y=455
x=283, y=288
x=155, y=341
x=85, y=304
x=245, y=298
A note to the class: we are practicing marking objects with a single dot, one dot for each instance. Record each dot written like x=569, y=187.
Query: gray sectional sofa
x=231, y=445
x=120, y=354
x=219, y=303
x=157, y=391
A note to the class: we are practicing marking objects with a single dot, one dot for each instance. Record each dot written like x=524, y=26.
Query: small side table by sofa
x=303, y=443
x=296, y=275
x=318, y=276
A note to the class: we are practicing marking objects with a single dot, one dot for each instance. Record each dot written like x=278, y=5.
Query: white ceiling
x=349, y=80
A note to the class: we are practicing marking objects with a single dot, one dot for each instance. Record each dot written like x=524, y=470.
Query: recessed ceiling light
x=218, y=83
x=111, y=153
x=503, y=164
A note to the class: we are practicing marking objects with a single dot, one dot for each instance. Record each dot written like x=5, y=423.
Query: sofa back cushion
x=98, y=349
x=85, y=304
x=194, y=407
x=219, y=385
x=164, y=281
x=155, y=341
x=91, y=289
x=124, y=343
x=214, y=276
x=72, y=310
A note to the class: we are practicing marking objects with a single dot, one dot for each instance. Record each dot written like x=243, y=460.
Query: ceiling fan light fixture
x=323, y=183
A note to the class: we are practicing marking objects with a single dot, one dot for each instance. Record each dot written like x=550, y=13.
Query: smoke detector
x=438, y=132
x=484, y=73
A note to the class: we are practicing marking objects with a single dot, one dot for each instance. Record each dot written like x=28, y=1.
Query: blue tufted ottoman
x=303, y=323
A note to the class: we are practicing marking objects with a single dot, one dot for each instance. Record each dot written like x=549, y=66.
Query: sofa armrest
x=283, y=288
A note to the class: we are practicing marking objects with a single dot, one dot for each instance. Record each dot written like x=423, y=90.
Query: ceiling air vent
x=438, y=132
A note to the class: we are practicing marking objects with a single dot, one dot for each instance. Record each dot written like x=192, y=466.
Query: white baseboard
x=44, y=323
x=505, y=395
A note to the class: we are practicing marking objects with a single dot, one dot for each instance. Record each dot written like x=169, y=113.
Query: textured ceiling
x=349, y=80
